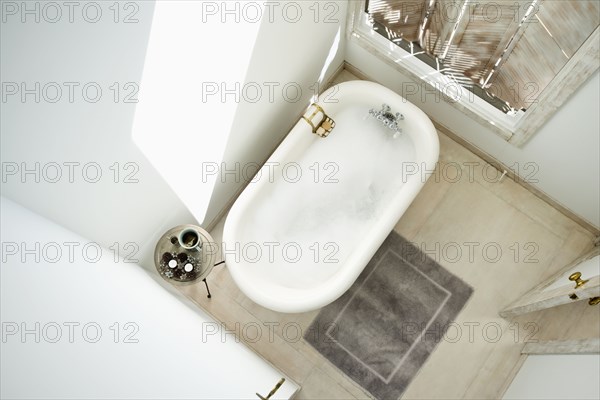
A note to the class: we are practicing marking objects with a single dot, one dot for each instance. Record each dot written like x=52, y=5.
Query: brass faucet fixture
x=323, y=127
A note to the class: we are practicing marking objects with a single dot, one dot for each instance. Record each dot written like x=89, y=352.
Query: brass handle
x=594, y=300
x=324, y=126
x=272, y=392
x=576, y=277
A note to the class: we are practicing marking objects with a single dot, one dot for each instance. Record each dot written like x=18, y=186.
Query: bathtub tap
x=388, y=119
x=322, y=128
x=331, y=229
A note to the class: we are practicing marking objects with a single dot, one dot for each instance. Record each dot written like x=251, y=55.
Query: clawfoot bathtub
x=308, y=223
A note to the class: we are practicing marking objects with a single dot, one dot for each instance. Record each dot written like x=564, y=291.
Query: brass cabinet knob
x=576, y=277
x=594, y=300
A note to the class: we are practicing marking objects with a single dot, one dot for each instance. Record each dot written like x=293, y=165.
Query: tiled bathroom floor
x=497, y=236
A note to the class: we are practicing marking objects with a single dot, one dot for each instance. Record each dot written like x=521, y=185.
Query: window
x=512, y=55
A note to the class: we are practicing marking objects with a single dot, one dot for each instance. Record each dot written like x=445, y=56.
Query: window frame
x=517, y=130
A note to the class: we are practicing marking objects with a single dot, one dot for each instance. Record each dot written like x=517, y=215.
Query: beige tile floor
x=450, y=214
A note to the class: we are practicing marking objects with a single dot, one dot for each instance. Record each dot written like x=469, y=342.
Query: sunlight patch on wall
x=194, y=63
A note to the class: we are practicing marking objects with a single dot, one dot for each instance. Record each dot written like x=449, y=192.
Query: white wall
x=285, y=53
x=80, y=131
x=566, y=149
x=191, y=54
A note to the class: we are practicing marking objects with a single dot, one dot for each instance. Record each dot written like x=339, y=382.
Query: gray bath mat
x=381, y=331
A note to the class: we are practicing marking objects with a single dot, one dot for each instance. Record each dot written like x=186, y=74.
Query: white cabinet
x=74, y=327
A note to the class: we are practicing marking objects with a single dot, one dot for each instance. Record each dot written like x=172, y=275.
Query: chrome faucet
x=388, y=119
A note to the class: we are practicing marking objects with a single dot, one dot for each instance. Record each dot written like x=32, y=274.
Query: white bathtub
x=307, y=225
